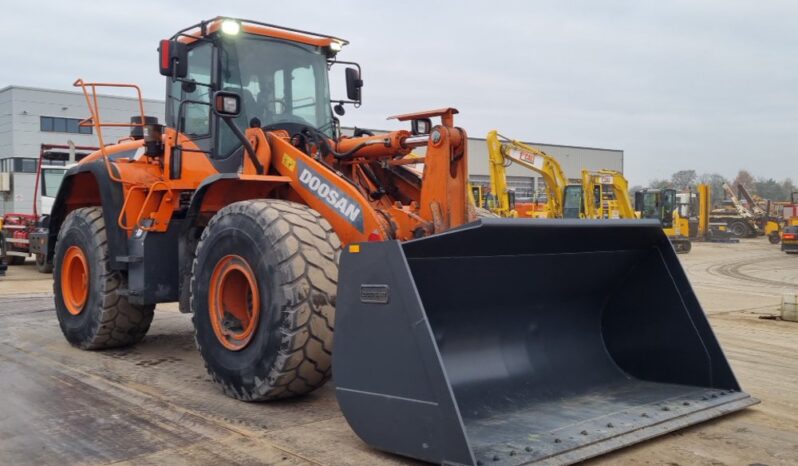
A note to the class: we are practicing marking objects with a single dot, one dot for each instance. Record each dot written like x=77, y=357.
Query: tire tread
x=116, y=322
x=305, y=242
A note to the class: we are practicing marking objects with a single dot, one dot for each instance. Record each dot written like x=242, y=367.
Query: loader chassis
x=240, y=206
x=237, y=207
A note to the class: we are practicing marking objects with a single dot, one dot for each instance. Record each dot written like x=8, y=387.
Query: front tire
x=263, y=289
x=91, y=311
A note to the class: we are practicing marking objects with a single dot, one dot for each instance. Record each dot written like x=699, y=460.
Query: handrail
x=94, y=120
x=151, y=189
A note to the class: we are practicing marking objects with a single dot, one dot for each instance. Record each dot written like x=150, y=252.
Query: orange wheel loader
x=457, y=340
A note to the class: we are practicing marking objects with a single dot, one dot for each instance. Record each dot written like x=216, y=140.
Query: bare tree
x=745, y=178
x=660, y=184
x=684, y=179
x=715, y=182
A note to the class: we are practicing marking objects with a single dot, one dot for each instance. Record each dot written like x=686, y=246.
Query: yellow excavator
x=602, y=194
x=661, y=204
x=503, y=151
x=606, y=195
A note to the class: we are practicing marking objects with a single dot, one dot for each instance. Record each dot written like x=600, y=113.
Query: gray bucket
x=516, y=341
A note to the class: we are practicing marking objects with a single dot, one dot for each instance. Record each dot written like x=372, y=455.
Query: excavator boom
x=502, y=150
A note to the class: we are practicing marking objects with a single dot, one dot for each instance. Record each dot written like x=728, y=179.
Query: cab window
x=573, y=206
x=195, y=117
x=279, y=82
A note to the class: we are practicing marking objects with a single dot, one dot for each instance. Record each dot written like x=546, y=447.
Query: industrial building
x=31, y=116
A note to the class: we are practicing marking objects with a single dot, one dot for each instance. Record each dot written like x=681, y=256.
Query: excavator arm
x=498, y=177
x=502, y=150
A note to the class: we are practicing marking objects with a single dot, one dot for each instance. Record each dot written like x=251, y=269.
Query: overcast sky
x=704, y=85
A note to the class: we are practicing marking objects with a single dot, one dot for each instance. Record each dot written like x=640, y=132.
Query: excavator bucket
x=517, y=341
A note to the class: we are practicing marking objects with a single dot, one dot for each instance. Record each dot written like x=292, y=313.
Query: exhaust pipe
x=518, y=341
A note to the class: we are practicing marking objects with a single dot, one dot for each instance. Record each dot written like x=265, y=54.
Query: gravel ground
x=154, y=404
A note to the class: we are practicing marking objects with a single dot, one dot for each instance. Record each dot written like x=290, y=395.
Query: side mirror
x=226, y=104
x=353, y=84
x=173, y=58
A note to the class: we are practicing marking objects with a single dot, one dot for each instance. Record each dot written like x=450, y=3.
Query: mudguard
x=111, y=197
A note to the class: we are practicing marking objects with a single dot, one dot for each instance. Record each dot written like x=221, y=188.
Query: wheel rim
x=233, y=302
x=75, y=280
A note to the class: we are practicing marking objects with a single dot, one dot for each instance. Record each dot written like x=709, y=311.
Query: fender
x=106, y=193
x=212, y=194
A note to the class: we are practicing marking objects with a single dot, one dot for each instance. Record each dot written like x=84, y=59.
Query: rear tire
x=774, y=237
x=277, y=342
x=681, y=246
x=96, y=315
x=42, y=265
x=16, y=260
x=739, y=229
x=9, y=260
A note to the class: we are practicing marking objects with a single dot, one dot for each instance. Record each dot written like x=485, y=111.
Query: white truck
x=15, y=234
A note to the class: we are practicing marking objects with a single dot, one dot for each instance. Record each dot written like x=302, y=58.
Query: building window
x=63, y=125
x=19, y=165
x=28, y=166
x=47, y=123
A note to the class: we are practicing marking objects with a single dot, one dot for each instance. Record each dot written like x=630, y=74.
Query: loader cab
x=573, y=202
x=658, y=204
x=281, y=77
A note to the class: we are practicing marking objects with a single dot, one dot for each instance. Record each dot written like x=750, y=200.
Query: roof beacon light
x=230, y=27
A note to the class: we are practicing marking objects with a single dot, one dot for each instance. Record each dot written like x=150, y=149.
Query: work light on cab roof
x=231, y=27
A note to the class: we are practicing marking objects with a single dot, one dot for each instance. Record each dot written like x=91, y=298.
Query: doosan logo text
x=332, y=196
